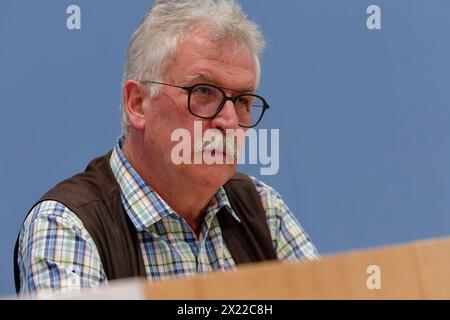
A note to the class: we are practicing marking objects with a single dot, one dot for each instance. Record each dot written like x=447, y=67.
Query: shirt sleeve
x=289, y=239
x=56, y=253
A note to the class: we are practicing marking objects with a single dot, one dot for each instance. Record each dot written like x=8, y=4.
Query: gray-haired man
x=134, y=212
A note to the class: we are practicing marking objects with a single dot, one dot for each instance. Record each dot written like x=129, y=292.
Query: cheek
x=162, y=118
x=170, y=112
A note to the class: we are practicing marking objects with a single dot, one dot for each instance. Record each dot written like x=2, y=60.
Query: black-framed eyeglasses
x=206, y=101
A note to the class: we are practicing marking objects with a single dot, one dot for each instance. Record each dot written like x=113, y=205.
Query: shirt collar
x=143, y=205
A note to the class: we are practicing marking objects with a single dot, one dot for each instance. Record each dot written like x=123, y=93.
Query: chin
x=212, y=175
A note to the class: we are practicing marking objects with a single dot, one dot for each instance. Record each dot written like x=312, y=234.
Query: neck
x=186, y=198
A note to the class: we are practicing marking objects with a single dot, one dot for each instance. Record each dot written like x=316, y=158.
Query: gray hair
x=155, y=41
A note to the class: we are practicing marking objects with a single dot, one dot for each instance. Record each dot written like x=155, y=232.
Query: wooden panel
x=412, y=271
x=433, y=259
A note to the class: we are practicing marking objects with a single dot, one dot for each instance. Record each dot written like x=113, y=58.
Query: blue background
x=363, y=115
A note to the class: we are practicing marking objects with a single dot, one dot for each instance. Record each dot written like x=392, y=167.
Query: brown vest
x=95, y=197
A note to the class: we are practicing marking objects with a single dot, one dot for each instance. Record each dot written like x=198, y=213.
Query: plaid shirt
x=57, y=253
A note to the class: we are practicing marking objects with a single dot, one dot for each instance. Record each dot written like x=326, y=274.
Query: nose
x=227, y=117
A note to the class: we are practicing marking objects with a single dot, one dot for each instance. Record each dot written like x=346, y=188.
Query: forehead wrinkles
x=215, y=35
x=199, y=43
x=201, y=59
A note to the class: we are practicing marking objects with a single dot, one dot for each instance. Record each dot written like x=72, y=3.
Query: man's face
x=197, y=60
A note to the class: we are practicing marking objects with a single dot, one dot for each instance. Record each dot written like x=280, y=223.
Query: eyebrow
x=205, y=77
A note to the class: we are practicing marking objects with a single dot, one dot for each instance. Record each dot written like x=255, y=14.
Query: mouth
x=223, y=157
x=215, y=153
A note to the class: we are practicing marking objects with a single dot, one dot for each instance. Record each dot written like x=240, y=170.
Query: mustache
x=219, y=141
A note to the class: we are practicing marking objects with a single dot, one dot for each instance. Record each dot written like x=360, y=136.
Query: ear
x=134, y=94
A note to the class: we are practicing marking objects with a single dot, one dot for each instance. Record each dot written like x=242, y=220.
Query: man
x=135, y=212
